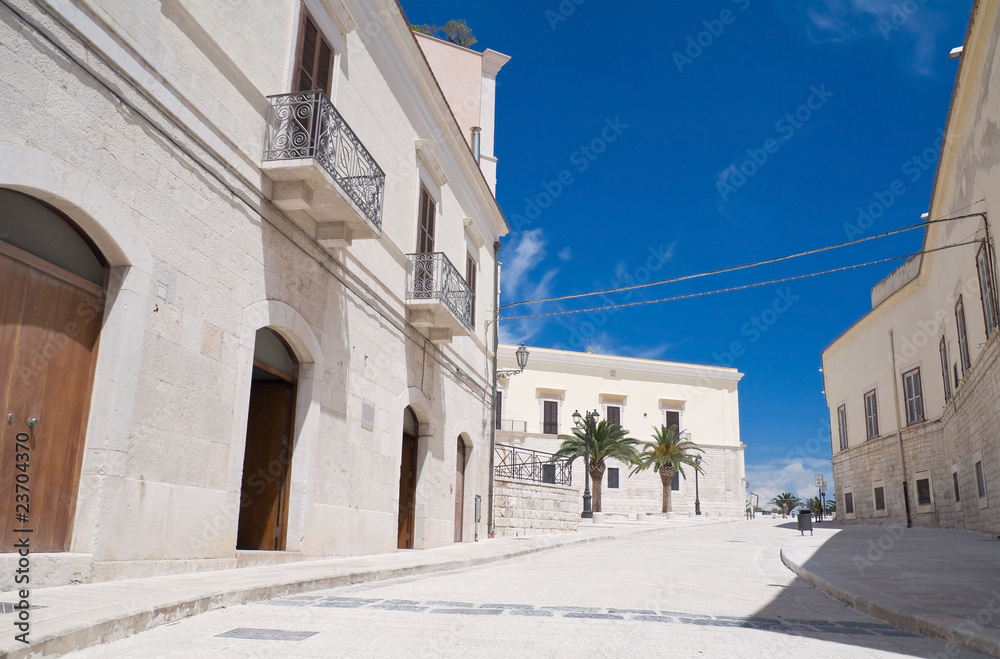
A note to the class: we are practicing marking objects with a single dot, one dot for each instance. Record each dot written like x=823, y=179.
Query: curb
x=95, y=627
x=898, y=613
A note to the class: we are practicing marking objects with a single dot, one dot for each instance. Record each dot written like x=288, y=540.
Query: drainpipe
x=496, y=345
x=899, y=432
x=476, y=140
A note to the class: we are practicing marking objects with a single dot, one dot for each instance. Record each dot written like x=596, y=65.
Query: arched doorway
x=267, y=458
x=408, y=481
x=459, y=489
x=51, y=310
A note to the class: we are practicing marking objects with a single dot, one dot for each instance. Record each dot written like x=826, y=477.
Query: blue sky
x=645, y=140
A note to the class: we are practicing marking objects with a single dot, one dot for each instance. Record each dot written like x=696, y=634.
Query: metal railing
x=533, y=466
x=512, y=425
x=432, y=276
x=307, y=125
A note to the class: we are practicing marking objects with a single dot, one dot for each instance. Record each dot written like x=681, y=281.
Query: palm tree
x=607, y=440
x=667, y=454
x=831, y=506
x=786, y=501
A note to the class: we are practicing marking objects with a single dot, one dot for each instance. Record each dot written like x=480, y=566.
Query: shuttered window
x=425, y=229
x=674, y=420
x=550, y=418
x=914, y=397
x=612, y=478
x=986, y=291
x=614, y=415
x=842, y=426
x=963, y=336
x=470, y=279
x=945, y=376
x=314, y=65
x=871, y=414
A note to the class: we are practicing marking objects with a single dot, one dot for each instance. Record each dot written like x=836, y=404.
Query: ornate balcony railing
x=432, y=276
x=512, y=425
x=533, y=466
x=307, y=125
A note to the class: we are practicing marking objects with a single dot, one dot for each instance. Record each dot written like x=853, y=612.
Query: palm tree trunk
x=595, y=486
x=667, y=478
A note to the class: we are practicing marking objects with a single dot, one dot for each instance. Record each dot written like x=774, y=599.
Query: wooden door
x=50, y=323
x=407, y=492
x=425, y=228
x=266, y=463
x=459, y=490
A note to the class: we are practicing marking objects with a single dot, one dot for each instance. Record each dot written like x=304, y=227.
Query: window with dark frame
x=675, y=484
x=499, y=410
x=986, y=289
x=879, y=498
x=314, y=59
x=425, y=227
x=849, y=503
x=924, y=492
x=913, y=394
x=612, y=478
x=954, y=482
x=470, y=279
x=673, y=420
x=614, y=414
x=871, y=414
x=842, y=426
x=963, y=337
x=980, y=479
x=550, y=417
x=945, y=376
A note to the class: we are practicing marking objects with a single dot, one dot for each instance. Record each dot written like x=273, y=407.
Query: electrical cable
x=735, y=267
x=731, y=289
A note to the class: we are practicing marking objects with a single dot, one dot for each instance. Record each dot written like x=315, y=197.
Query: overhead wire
x=731, y=289
x=734, y=268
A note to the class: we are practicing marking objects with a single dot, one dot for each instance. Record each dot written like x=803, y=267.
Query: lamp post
x=697, y=500
x=522, y=362
x=588, y=513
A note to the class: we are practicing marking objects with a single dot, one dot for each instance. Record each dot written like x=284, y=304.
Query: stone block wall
x=967, y=431
x=521, y=508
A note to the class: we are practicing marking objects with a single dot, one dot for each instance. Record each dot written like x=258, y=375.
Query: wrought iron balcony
x=532, y=466
x=438, y=297
x=319, y=166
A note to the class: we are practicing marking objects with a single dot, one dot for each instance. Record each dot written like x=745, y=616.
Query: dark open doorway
x=408, y=481
x=267, y=459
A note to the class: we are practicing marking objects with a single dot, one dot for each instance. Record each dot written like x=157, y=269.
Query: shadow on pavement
x=941, y=571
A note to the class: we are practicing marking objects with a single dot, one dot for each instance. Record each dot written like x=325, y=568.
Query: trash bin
x=805, y=522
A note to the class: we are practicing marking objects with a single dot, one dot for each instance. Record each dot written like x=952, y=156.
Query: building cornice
x=623, y=366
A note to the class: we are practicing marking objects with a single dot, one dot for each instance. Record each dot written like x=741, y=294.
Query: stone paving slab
x=79, y=616
x=938, y=582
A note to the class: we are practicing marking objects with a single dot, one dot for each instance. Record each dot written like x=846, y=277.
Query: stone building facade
x=914, y=386
x=535, y=406
x=247, y=252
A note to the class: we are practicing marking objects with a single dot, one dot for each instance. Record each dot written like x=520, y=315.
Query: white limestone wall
x=176, y=200
x=922, y=311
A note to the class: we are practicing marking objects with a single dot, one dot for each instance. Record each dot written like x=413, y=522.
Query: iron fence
x=432, y=276
x=307, y=125
x=533, y=466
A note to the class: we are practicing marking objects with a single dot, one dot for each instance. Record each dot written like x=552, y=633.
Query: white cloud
x=529, y=251
x=565, y=254
x=795, y=475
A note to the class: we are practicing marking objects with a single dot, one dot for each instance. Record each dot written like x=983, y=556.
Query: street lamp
x=588, y=513
x=697, y=501
x=522, y=361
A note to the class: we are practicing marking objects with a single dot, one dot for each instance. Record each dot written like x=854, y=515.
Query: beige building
x=247, y=254
x=914, y=386
x=535, y=406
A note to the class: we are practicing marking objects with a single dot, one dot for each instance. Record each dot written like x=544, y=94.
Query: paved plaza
x=706, y=590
